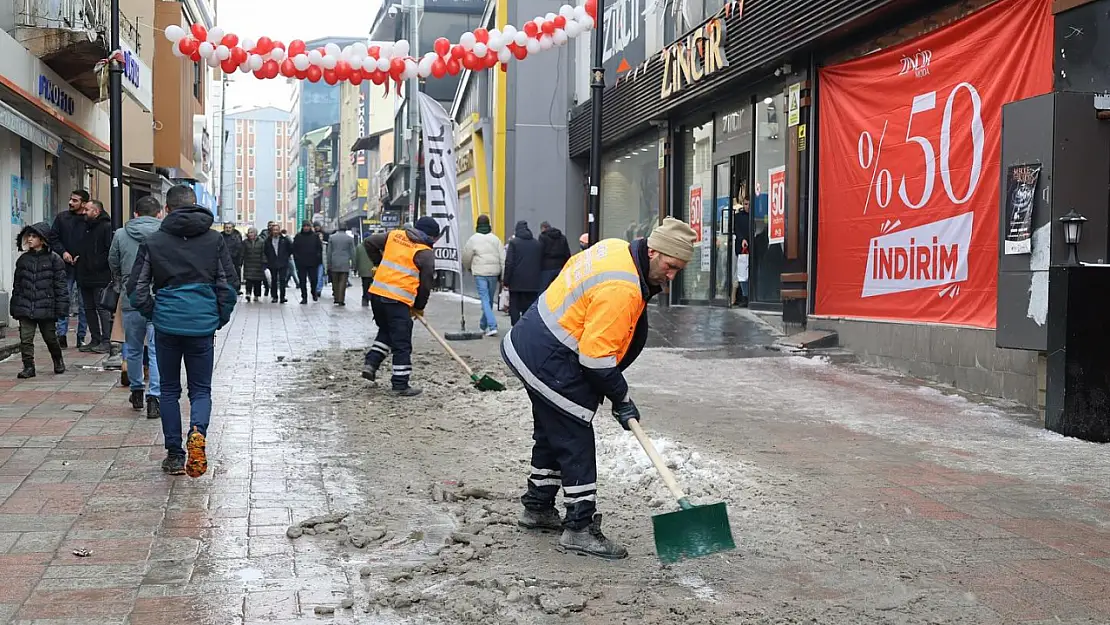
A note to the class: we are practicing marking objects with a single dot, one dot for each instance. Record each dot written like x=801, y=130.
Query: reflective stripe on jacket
x=397, y=276
x=572, y=346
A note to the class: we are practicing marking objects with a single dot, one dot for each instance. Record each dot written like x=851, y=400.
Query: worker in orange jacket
x=570, y=351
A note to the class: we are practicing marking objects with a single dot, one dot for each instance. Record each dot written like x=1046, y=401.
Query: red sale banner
x=910, y=143
x=777, y=226
x=696, y=211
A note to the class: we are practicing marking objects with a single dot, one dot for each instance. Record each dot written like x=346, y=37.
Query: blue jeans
x=136, y=330
x=74, y=296
x=198, y=353
x=319, y=278
x=487, y=290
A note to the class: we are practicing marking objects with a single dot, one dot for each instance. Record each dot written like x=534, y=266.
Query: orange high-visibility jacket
x=589, y=325
x=398, y=277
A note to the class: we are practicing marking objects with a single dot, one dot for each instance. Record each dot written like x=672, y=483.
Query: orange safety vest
x=398, y=277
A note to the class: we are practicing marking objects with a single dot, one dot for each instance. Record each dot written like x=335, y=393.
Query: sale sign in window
x=910, y=143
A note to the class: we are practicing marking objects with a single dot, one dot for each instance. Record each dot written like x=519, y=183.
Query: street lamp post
x=597, y=88
x=115, y=119
x=1073, y=230
x=413, y=89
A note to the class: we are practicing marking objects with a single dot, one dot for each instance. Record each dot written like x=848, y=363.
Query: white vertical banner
x=440, y=190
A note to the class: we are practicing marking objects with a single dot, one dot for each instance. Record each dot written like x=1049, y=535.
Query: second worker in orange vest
x=402, y=284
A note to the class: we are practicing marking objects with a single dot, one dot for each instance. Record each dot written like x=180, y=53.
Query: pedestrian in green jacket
x=365, y=268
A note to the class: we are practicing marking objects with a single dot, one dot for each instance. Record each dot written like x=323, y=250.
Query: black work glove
x=625, y=410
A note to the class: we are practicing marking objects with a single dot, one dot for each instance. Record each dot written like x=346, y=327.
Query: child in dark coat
x=39, y=296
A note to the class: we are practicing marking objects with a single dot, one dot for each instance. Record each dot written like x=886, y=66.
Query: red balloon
x=199, y=31
x=230, y=40
x=263, y=45
x=356, y=77
x=373, y=51
x=288, y=69
x=481, y=35
x=471, y=61
x=490, y=60
x=458, y=52
x=442, y=46
x=396, y=68
x=296, y=47
x=330, y=77
x=531, y=29
x=342, y=70
x=195, y=57
x=439, y=68
x=453, y=67
x=300, y=75
x=259, y=74
x=520, y=52
x=187, y=45
x=270, y=69
x=560, y=21
x=591, y=8
x=377, y=77
x=278, y=44
x=548, y=28
x=229, y=66
x=314, y=73
x=239, y=55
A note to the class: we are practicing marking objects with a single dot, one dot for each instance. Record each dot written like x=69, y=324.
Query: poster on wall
x=776, y=182
x=18, y=206
x=1021, y=191
x=909, y=151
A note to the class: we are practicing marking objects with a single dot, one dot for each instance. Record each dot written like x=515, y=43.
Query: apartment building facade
x=257, y=167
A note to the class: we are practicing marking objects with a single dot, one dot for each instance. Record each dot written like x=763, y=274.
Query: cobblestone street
x=854, y=497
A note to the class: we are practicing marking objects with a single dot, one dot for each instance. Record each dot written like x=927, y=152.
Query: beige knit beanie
x=673, y=238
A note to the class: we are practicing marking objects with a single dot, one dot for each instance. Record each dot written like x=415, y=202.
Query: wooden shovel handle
x=656, y=459
x=447, y=347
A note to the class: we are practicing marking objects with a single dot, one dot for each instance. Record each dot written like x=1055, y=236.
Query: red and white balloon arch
x=381, y=62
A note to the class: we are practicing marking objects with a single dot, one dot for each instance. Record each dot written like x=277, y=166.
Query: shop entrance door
x=730, y=223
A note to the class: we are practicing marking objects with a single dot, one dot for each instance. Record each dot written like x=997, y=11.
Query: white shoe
x=491, y=332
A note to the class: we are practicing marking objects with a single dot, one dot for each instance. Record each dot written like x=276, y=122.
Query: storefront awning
x=132, y=177
x=366, y=143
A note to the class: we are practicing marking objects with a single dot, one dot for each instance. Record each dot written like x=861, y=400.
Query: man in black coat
x=308, y=254
x=69, y=226
x=94, y=273
x=234, y=242
x=523, y=262
x=556, y=253
x=278, y=250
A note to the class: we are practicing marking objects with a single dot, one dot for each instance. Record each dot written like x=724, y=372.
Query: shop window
x=630, y=191
x=770, y=159
x=278, y=196
x=251, y=173
x=697, y=203
x=238, y=194
x=250, y=196
x=278, y=174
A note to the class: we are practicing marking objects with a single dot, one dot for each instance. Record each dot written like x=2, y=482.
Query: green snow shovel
x=691, y=532
x=484, y=383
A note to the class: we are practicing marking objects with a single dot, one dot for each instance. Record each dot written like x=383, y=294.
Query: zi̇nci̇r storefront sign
x=699, y=54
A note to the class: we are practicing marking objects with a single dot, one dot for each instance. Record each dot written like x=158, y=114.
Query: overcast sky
x=287, y=20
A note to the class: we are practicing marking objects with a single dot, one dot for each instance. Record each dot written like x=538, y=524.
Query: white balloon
x=410, y=69
x=383, y=64
x=496, y=43
x=580, y=12
x=256, y=62
x=521, y=38
x=494, y=33
x=467, y=41
x=480, y=50
x=222, y=52
x=213, y=61
x=315, y=58
x=385, y=50
x=329, y=61
x=216, y=35
x=174, y=33
x=206, y=50
x=369, y=64
x=509, y=31
x=245, y=67
x=359, y=49
x=560, y=37
x=424, y=68
x=277, y=54
x=533, y=46
x=401, y=48
x=356, y=60
x=504, y=55
x=539, y=21
x=332, y=49
x=587, y=23
x=246, y=43
x=549, y=17
x=301, y=62
x=546, y=42
x=566, y=11
x=572, y=28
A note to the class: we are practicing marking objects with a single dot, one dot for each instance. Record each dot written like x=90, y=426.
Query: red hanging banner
x=910, y=143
